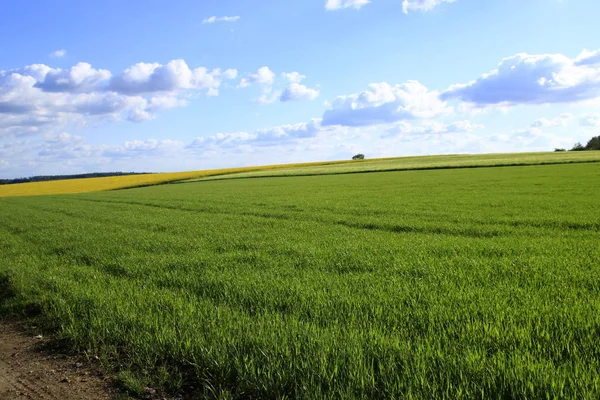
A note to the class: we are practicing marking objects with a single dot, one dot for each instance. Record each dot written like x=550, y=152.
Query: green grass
x=419, y=163
x=457, y=284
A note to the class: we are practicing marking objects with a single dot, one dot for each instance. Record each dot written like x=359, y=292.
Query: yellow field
x=314, y=168
x=87, y=185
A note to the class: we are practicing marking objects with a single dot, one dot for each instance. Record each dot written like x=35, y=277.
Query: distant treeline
x=593, y=144
x=44, y=178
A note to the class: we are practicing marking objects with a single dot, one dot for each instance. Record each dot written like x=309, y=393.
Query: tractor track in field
x=31, y=370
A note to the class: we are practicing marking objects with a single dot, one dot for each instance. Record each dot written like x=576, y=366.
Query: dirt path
x=28, y=370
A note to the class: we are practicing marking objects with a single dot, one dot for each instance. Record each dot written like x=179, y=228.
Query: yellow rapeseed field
x=87, y=185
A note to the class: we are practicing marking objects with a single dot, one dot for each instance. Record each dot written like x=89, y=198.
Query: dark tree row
x=593, y=144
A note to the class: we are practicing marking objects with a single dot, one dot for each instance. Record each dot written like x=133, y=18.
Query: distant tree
x=578, y=147
x=593, y=144
x=359, y=157
x=557, y=149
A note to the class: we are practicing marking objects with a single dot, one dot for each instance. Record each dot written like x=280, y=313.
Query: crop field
x=74, y=186
x=416, y=163
x=87, y=185
x=447, y=284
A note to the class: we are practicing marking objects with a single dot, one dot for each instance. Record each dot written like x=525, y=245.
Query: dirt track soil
x=30, y=369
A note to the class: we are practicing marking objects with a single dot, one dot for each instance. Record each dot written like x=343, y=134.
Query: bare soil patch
x=31, y=368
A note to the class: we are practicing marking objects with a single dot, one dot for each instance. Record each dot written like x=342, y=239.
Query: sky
x=159, y=86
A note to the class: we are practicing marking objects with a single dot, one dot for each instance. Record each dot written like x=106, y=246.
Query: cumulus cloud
x=264, y=76
x=79, y=78
x=273, y=89
x=173, y=76
x=383, y=103
x=591, y=119
x=422, y=5
x=533, y=79
x=213, y=19
x=296, y=92
x=38, y=98
x=148, y=108
x=561, y=120
x=58, y=53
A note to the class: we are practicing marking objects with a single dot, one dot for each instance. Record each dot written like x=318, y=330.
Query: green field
x=457, y=284
x=416, y=163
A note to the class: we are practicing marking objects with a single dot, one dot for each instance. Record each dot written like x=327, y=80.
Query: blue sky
x=181, y=85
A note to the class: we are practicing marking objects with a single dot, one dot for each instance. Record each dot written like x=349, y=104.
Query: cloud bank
x=383, y=103
x=533, y=79
x=37, y=98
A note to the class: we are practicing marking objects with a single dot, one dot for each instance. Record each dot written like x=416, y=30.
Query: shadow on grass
x=7, y=291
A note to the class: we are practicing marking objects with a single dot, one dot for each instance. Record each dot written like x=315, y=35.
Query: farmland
x=454, y=283
x=88, y=185
x=415, y=164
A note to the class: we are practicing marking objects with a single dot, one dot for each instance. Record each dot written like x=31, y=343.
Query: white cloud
x=430, y=128
x=588, y=57
x=244, y=83
x=267, y=97
x=39, y=99
x=58, y=53
x=561, y=120
x=230, y=73
x=262, y=138
x=213, y=19
x=422, y=5
x=529, y=139
x=407, y=5
x=383, y=103
x=146, y=148
x=533, y=79
x=264, y=76
x=338, y=4
x=591, y=119
x=62, y=139
x=4, y=164
x=296, y=92
x=293, y=77
x=80, y=78
x=147, y=109
x=272, y=87
x=65, y=146
x=173, y=76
